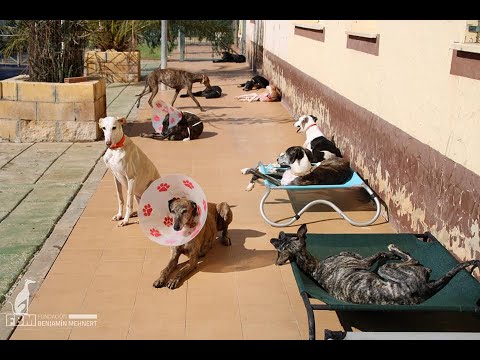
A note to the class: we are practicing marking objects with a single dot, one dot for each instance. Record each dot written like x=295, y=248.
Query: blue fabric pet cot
x=303, y=198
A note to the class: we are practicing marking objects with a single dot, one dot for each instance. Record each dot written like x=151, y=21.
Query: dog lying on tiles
x=209, y=93
x=229, y=57
x=347, y=276
x=190, y=127
x=256, y=82
x=184, y=212
x=273, y=94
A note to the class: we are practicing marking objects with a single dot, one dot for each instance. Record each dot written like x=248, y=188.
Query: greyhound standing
x=174, y=78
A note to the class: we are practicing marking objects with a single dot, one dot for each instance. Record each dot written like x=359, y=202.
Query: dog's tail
x=225, y=215
x=224, y=218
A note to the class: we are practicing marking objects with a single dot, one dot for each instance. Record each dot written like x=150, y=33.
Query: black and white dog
x=331, y=171
x=316, y=142
x=212, y=92
x=190, y=127
x=229, y=57
x=256, y=82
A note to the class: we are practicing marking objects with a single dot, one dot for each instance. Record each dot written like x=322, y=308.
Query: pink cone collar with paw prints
x=160, y=110
x=156, y=220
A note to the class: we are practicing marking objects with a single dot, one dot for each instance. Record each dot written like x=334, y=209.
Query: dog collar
x=309, y=126
x=119, y=144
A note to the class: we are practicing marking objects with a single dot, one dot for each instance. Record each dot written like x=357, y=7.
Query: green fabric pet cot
x=462, y=294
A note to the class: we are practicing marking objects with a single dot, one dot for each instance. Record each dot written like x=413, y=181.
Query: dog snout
x=108, y=142
x=176, y=227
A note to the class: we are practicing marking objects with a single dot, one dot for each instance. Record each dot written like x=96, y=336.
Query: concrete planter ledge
x=55, y=112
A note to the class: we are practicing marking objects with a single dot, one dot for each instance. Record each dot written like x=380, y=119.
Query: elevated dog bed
x=355, y=194
x=462, y=294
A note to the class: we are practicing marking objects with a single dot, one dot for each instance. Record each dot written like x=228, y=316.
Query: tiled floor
x=237, y=292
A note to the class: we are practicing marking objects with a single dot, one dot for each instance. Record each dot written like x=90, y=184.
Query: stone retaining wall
x=39, y=111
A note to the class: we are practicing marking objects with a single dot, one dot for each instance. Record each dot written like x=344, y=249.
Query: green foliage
x=218, y=32
x=55, y=47
x=119, y=35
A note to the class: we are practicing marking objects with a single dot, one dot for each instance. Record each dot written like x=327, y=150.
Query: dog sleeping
x=256, y=82
x=316, y=142
x=212, y=92
x=273, y=94
x=347, y=276
x=130, y=166
x=301, y=171
x=184, y=214
x=190, y=127
x=229, y=57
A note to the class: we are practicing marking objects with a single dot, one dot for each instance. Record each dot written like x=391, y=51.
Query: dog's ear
x=170, y=202
x=122, y=120
x=100, y=123
x=314, y=118
x=194, y=207
x=302, y=233
x=309, y=155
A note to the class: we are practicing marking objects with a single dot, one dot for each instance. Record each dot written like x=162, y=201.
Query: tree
x=55, y=47
x=218, y=32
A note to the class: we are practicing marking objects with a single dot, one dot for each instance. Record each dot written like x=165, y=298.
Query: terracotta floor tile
x=214, y=329
x=40, y=334
x=278, y=330
x=266, y=312
x=221, y=311
x=127, y=254
x=99, y=333
x=157, y=330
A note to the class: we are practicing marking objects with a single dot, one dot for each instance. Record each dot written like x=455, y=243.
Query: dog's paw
x=159, y=283
x=134, y=214
x=392, y=247
x=203, y=110
x=244, y=171
x=173, y=283
x=122, y=223
x=226, y=241
x=186, y=139
x=117, y=217
x=250, y=187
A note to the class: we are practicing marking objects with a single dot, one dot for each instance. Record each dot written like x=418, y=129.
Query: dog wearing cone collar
x=131, y=168
x=185, y=213
x=316, y=142
x=190, y=127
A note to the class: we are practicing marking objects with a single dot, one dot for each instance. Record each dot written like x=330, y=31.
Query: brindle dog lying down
x=347, y=277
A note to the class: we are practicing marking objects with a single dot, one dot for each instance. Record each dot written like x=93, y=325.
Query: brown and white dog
x=130, y=166
x=184, y=213
x=301, y=171
x=174, y=78
x=316, y=142
x=273, y=94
